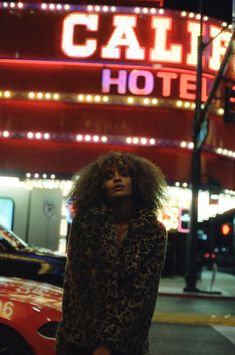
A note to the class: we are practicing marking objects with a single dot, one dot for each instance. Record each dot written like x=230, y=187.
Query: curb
x=194, y=319
x=206, y=295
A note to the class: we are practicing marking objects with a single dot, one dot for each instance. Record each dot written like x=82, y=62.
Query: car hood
x=42, y=253
x=45, y=251
x=36, y=293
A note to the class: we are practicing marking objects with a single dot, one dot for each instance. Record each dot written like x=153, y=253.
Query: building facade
x=80, y=80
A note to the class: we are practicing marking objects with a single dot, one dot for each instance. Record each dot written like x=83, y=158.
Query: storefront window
x=6, y=212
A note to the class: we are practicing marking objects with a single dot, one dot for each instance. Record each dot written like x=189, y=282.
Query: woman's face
x=118, y=183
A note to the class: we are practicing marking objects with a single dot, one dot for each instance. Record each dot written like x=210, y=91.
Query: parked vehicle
x=19, y=259
x=29, y=316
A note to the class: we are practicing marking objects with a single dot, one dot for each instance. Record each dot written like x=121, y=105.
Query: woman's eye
x=108, y=175
x=124, y=173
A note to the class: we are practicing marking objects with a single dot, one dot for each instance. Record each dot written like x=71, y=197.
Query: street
x=179, y=339
x=188, y=324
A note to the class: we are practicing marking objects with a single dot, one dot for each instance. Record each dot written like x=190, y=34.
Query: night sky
x=221, y=9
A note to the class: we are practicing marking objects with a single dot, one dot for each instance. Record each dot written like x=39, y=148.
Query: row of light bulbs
x=229, y=192
x=103, y=8
x=89, y=138
x=51, y=181
x=103, y=99
x=84, y=138
x=7, y=94
x=111, y=139
x=225, y=152
x=54, y=136
x=185, y=144
x=183, y=184
x=46, y=176
x=40, y=176
x=186, y=185
x=12, y=5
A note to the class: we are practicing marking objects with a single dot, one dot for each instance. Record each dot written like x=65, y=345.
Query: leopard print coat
x=110, y=291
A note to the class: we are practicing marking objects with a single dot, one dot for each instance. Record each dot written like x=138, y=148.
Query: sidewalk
x=222, y=287
x=214, y=306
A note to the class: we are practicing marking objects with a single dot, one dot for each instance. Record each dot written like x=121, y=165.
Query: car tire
x=11, y=343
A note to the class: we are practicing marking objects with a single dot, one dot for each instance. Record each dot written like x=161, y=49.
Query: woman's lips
x=118, y=187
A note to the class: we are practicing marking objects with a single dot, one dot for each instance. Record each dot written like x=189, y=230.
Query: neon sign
x=158, y=83
x=121, y=53
x=124, y=40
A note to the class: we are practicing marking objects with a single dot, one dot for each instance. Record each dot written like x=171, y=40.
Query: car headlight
x=48, y=330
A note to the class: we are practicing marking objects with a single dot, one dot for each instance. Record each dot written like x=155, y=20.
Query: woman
x=116, y=253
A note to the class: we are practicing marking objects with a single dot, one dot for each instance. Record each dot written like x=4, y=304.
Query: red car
x=29, y=316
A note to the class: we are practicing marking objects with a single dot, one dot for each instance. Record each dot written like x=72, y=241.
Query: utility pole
x=191, y=250
x=199, y=133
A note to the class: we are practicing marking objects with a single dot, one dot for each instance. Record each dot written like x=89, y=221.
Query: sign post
x=200, y=132
x=191, y=248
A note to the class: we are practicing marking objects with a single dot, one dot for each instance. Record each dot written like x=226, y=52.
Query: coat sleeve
x=135, y=305
x=73, y=278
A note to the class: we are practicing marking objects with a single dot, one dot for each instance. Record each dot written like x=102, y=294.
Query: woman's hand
x=102, y=350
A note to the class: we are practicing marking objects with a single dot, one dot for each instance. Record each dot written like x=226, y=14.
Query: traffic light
x=226, y=230
x=229, y=104
x=226, y=236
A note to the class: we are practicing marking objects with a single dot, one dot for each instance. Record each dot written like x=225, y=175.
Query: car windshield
x=9, y=237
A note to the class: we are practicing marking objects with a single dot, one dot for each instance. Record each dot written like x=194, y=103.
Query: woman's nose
x=117, y=176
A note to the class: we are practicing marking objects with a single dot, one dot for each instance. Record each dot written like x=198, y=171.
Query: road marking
x=227, y=332
x=192, y=318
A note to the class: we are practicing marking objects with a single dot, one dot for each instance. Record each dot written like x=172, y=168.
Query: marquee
x=112, y=50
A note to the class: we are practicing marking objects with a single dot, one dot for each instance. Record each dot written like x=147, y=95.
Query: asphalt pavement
x=179, y=339
x=202, y=323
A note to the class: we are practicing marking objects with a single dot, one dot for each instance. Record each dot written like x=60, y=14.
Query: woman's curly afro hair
x=148, y=182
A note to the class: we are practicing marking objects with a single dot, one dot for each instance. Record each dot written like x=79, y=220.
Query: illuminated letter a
x=123, y=35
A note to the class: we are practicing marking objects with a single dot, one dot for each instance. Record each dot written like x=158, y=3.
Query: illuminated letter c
x=78, y=50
